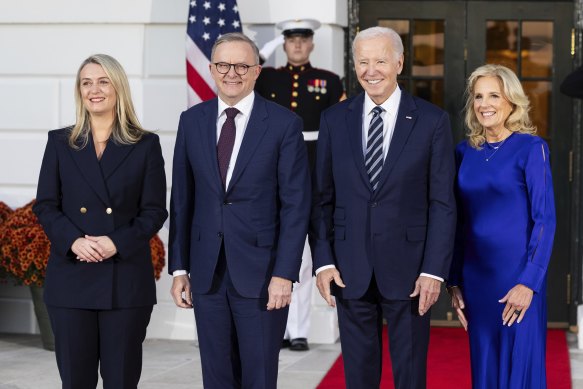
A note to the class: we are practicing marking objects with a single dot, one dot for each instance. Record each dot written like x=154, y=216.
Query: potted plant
x=24, y=254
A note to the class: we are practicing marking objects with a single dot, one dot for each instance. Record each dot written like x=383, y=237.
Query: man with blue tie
x=239, y=216
x=383, y=217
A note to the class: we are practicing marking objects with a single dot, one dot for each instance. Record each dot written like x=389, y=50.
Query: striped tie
x=374, y=148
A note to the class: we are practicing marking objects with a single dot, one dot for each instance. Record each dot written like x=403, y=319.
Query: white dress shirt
x=245, y=106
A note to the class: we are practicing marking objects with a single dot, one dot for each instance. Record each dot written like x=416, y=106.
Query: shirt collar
x=390, y=105
x=245, y=105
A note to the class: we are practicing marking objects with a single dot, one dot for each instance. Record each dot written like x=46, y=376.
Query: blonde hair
x=126, y=126
x=512, y=91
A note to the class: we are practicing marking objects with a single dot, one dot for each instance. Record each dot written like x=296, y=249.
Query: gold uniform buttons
x=295, y=93
x=317, y=97
x=108, y=211
x=273, y=95
x=295, y=84
x=294, y=104
x=296, y=76
x=83, y=210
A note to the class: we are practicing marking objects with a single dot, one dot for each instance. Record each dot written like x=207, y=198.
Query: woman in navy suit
x=101, y=197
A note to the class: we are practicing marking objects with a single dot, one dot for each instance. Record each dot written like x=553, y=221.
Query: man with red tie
x=239, y=213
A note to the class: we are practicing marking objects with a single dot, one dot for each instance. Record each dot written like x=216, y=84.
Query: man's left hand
x=279, y=291
x=427, y=289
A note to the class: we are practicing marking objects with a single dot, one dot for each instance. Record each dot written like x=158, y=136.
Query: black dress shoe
x=285, y=343
x=299, y=344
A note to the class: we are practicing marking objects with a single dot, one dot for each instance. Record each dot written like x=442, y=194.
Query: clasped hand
x=93, y=248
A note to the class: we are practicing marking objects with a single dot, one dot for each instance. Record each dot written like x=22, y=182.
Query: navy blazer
x=403, y=228
x=122, y=196
x=262, y=217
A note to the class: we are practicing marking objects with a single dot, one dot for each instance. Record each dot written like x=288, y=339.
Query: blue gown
x=505, y=235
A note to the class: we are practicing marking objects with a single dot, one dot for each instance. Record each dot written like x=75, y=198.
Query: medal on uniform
x=317, y=86
x=323, y=87
x=310, y=86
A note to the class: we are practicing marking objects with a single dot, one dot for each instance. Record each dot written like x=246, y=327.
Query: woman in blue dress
x=505, y=234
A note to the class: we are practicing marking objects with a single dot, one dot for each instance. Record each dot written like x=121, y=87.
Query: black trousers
x=110, y=340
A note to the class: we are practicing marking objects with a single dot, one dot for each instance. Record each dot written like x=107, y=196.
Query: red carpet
x=448, y=362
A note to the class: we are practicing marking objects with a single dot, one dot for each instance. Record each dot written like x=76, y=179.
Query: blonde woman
x=101, y=197
x=506, y=224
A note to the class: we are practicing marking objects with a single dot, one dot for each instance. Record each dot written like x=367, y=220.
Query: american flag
x=207, y=20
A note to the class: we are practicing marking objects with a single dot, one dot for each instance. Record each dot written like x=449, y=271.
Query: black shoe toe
x=299, y=344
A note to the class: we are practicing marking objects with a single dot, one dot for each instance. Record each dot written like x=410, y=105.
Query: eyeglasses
x=240, y=68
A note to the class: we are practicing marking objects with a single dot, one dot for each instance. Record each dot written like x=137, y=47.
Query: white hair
x=378, y=32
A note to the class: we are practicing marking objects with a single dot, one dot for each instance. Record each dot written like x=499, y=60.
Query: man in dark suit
x=239, y=217
x=383, y=215
x=307, y=91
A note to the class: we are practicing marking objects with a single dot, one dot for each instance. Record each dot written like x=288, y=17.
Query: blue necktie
x=374, y=148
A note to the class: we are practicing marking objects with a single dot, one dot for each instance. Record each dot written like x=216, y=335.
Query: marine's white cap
x=305, y=27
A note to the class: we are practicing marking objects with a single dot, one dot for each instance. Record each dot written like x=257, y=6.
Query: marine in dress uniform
x=307, y=91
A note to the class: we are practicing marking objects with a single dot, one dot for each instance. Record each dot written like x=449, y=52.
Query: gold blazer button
x=83, y=210
x=108, y=211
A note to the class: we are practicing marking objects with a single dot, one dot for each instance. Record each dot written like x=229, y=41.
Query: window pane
x=401, y=27
x=539, y=94
x=501, y=43
x=537, y=49
x=428, y=37
x=430, y=90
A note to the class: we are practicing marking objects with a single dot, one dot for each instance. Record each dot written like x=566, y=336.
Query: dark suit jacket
x=124, y=197
x=403, y=228
x=262, y=218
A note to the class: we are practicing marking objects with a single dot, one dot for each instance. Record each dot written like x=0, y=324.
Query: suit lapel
x=112, y=158
x=354, y=120
x=406, y=118
x=254, y=132
x=86, y=161
x=208, y=125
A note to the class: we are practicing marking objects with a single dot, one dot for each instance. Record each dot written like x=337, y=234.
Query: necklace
x=495, y=148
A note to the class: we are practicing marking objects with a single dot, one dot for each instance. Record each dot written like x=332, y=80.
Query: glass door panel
x=424, y=68
x=502, y=43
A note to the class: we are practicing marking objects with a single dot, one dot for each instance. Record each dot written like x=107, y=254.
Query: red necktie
x=226, y=142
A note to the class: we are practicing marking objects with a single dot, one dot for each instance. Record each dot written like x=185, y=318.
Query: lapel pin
x=408, y=117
